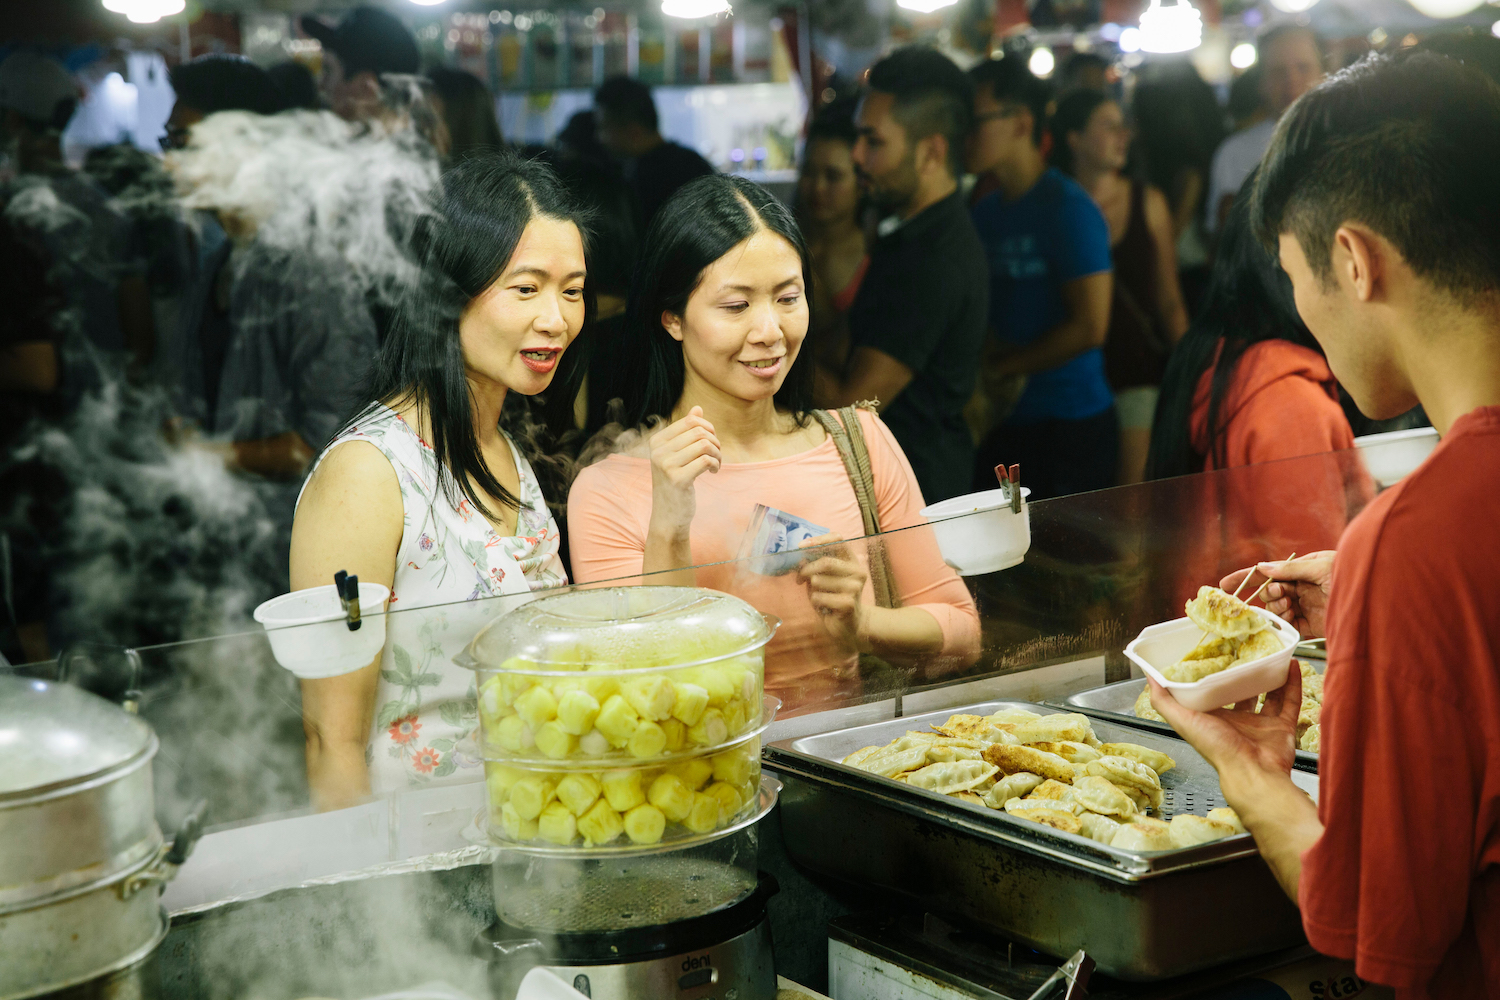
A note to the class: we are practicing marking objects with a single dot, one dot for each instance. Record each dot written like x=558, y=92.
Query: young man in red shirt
x=1379, y=189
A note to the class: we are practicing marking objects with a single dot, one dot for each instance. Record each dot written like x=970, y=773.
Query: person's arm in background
x=605, y=537
x=1087, y=302
x=350, y=518
x=871, y=374
x=1172, y=313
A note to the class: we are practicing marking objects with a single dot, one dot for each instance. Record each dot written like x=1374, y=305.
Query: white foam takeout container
x=1163, y=645
x=310, y=635
x=979, y=533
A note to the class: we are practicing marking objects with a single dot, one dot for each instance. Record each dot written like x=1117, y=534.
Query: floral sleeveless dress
x=449, y=562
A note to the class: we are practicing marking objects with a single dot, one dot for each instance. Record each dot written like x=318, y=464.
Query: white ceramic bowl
x=1160, y=646
x=310, y=635
x=979, y=533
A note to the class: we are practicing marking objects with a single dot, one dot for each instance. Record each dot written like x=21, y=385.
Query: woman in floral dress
x=424, y=491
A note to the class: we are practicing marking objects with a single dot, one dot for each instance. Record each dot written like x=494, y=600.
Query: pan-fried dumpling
x=1144, y=709
x=1011, y=759
x=938, y=753
x=1012, y=786
x=974, y=727
x=1011, y=716
x=1060, y=795
x=1188, y=671
x=1211, y=647
x=1052, y=728
x=1224, y=614
x=969, y=797
x=1042, y=811
x=1228, y=817
x=1097, y=795
x=1312, y=739
x=948, y=777
x=854, y=759
x=1130, y=774
x=890, y=763
x=1073, y=753
x=1096, y=827
x=1154, y=759
x=1141, y=799
x=1143, y=834
x=1188, y=830
x=1262, y=643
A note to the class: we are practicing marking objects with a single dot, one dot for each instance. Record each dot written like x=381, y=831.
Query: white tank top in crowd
x=425, y=706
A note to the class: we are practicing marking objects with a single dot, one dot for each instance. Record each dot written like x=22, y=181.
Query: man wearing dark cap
x=367, y=43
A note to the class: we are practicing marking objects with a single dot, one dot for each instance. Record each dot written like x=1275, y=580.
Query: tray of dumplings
x=1129, y=703
x=1108, y=794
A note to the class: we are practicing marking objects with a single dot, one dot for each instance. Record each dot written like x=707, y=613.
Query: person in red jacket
x=1379, y=192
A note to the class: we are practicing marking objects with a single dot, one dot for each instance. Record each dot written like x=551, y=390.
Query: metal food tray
x=1139, y=915
x=1116, y=703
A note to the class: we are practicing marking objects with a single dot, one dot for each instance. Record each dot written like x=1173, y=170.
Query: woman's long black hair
x=481, y=211
x=1249, y=300
x=699, y=224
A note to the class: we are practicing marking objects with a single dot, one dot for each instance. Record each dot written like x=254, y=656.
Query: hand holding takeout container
x=1161, y=646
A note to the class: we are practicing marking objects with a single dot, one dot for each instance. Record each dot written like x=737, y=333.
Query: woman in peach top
x=717, y=317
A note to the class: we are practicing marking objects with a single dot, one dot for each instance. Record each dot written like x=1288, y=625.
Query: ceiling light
x=694, y=8
x=1178, y=28
x=146, y=11
x=925, y=6
x=1042, y=62
x=1130, y=40
x=426, y=3
x=1242, y=56
x=1445, y=8
x=1292, y=6
x=1495, y=29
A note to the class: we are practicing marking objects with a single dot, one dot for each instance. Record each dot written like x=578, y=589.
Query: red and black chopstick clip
x=1010, y=481
x=348, y=589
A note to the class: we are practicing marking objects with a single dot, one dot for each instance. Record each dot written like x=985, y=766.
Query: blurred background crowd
x=1023, y=220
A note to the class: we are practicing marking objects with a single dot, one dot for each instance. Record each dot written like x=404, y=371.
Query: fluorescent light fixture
x=146, y=11
x=694, y=8
x=925, y=6
x=1292, y=6
x=1042, y=62
x=1243, y=55
x=1178, y=28
x=1446, y=8
x=426, y=3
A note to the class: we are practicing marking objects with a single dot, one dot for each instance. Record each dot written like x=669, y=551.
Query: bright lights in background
x=1130, y=40
x=1292, y=6
x=1495, y=29
x=1042, y=62
x=146, y=11
x=426, y=3
x=925, y=6
x=1446, y=8
x=1178, y=28
x=1242, y=56
x=694, y=8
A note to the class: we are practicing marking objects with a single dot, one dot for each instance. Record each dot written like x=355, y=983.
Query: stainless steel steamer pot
x=81, y=855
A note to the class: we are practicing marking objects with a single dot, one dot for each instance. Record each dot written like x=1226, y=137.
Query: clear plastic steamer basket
x=619, y=675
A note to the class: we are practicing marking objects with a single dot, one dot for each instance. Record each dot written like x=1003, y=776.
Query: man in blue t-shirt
x=1048, y=250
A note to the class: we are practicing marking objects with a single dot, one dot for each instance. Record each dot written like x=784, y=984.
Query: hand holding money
x=836, y=586
x=680, y=453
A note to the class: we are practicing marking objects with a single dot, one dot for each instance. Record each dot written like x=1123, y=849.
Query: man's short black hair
x=368, y=39
x=835, y=122
x=1406, y=145
x=219, y=82
x=933, y=97
x=627, y=100
x=1010, y=81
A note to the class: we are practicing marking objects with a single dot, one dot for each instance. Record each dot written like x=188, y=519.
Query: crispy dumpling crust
x=1154, y=759
x=1224, y=614
x=1010, y=759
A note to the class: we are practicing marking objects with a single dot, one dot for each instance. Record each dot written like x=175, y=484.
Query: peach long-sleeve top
x=609, y=509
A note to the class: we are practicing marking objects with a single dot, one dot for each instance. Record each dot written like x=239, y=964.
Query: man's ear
x=932, y=150
x=1360, y=259
x=672, y=323
x=366, y=84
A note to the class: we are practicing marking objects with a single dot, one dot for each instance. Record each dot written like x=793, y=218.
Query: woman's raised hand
x=680, y=453
x=836, y=585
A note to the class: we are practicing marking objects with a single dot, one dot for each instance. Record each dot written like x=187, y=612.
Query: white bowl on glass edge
x=309, y=630
x=1161, y=646
x=979, y=533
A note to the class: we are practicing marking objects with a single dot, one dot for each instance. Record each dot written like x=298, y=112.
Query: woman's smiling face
x=746, y=320
x=514, y=332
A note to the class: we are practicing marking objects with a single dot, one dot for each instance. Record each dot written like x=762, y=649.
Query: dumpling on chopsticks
x=1224, y=614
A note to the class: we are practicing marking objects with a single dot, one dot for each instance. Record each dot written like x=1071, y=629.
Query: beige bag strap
x=849, y=438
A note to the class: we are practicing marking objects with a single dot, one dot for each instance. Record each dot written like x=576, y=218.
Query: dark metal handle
x=188, y=833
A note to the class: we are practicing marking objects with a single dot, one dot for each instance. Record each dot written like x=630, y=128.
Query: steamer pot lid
x=55, y=733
